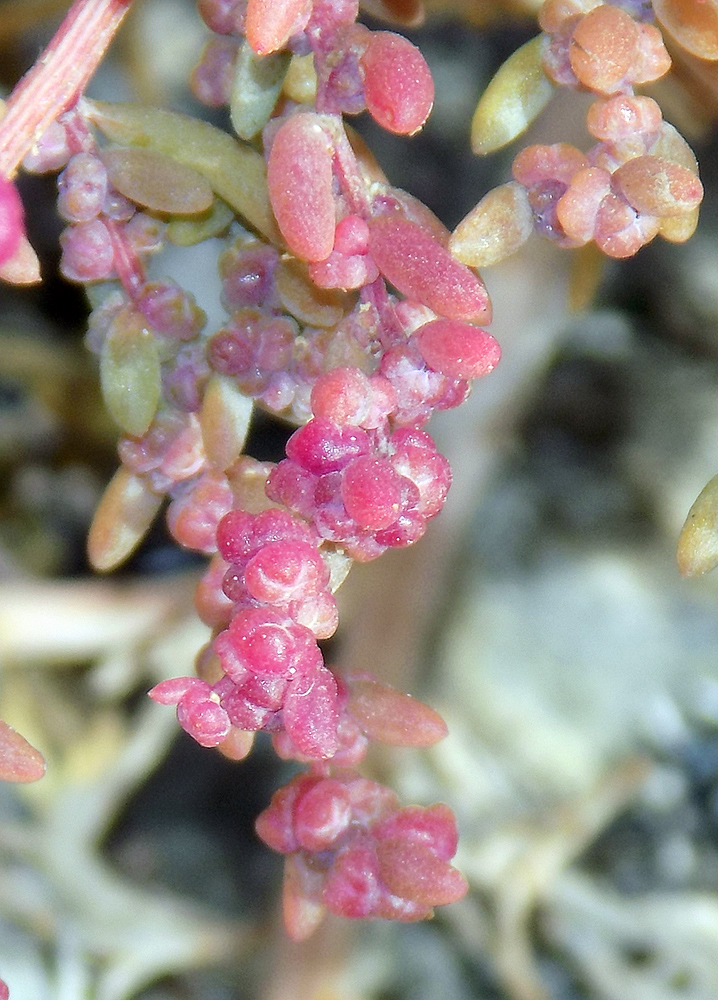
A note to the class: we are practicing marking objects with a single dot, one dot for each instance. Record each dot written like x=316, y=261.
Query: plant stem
x=58, y=77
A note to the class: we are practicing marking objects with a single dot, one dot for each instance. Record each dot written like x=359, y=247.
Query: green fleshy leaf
x=130, y=373
x=256, y=88
x=235, y=171
x=516, y=95
x=214, y=222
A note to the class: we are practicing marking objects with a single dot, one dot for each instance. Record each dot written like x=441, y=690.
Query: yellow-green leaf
x=698, y=540
x=304, y=300
x=214, y=222
x=224, y=419
x=257, y=85
x=518, y=92
x=235, y=171
x=157, y=181
x=495, y=228
x=130, y=373
x=125, y=513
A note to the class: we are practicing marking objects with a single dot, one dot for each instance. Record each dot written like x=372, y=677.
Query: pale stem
x=58, y=77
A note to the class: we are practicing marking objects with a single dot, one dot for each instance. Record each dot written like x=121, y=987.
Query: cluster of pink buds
x=356, y=69
x=350, y=849
x=106, y=234
x=641, y=178
x=359, y=332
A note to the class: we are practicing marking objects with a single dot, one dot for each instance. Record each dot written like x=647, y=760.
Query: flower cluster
x=638, y=181
x=106, y=234
x=346, y=313
x=353, y=851
x=353, y=68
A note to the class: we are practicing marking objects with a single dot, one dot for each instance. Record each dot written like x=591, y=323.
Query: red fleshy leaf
x=421, y=268
x=311, y=714
x=393, y=717
x=414, y=872
x=299, y=178
x=19, y=761
x=457, y=350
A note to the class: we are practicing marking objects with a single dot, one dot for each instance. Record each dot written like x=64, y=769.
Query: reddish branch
x=58, y=77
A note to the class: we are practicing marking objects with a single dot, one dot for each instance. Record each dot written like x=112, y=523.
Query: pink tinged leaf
x=657, y=186
x=193, y=518
x=621, y=231
x=11, y=220
x=311, y=713
x=232, y=662
x=299, y=178
x=275, y=825
x=398, y=87
x=623, y=116
x=270, y=23
x=422, y=269
x=284, y=571
x=265, y=692
x=4, y=991
x=19, y=761
x=414, y=872
x=301, y=908
x=244, y=714
x=603, y=46
x=371, y=802
x=457, y=350
x=170, y=692
x=391, y=716
x=321, y=446
x=547, y=163
x=342, y=395
x=205, y=721
x=652, y=60
x=270, y=644
x=342, y=272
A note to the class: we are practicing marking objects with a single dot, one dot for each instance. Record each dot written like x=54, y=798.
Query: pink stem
x=58, y=77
